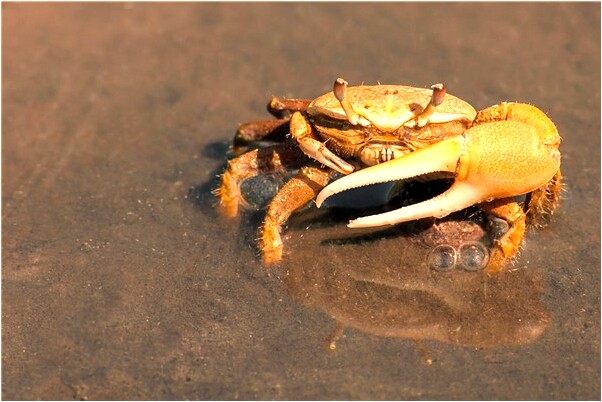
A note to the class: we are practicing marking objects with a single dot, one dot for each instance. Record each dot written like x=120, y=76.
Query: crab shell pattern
x=387, y=133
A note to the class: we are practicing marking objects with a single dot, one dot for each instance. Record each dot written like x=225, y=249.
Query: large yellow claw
x=511, y=149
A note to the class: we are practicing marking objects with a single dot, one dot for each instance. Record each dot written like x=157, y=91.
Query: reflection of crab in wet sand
x=387, y=133
x=403, y=295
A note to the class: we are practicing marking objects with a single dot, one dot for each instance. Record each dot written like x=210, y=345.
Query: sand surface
x=120, y=281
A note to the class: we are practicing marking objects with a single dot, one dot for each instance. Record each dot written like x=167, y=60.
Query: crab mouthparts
x=444, y=156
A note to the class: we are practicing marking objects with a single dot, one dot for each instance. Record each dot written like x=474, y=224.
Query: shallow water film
x=120, y=280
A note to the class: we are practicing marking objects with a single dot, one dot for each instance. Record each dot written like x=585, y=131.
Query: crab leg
x=268, y=130
x=275, y=159
x=543, y=201
x=509, y=243
x=492, y=160
x=297, y=192
x=283, y=107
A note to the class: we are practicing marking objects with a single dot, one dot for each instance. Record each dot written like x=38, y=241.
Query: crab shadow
x=202, y=196
x=384, y=282
x=425, y=231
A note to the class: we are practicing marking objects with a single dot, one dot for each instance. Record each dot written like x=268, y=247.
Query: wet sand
x=120, y=281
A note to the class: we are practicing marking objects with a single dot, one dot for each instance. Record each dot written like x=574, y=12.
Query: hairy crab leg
x=284, y=107
x=277, y=159
x=542, y=202
x=297, y=192
x=268, y=130
x=508, y=245
x=309, y=143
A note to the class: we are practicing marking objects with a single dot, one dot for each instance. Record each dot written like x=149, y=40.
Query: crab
x=392, y=133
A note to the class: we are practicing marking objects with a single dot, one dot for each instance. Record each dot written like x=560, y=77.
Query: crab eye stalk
x=438, y=94
x=340, y=91
x=436, y=99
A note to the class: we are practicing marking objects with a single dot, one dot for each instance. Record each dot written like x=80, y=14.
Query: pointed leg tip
x=320, y=200
x=353, y=224
x=364, y=222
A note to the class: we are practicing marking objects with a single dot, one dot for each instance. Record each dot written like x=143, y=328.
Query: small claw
x=302, y=131
x=318, y=151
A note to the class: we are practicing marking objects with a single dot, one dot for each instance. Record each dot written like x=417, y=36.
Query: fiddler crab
x=390, y=133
